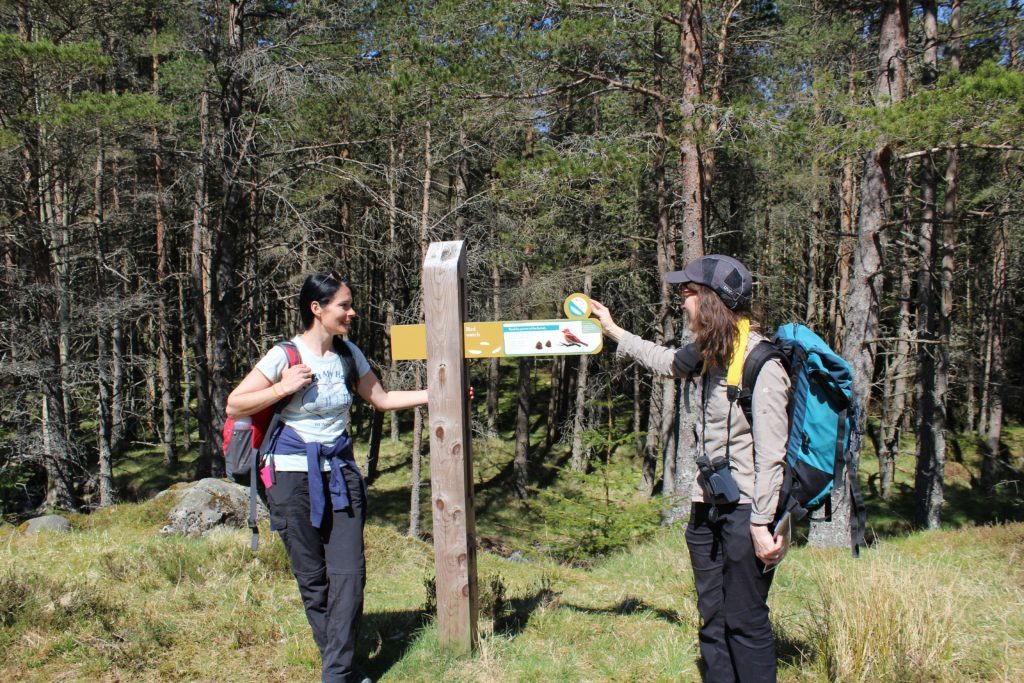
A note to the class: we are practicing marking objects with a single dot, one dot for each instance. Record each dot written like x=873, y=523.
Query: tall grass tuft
x=15, y=595
x=884, y=621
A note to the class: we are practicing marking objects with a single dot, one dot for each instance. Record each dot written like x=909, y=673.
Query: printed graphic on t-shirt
x=326, y=398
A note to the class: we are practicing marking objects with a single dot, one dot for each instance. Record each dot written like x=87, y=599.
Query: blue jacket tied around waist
x=288, y=442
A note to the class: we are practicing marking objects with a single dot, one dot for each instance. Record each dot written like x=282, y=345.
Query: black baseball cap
x=724, y=275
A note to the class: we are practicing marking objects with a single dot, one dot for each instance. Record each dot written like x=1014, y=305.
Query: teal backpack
x=823, y=433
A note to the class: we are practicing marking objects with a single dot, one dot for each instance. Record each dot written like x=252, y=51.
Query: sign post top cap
x=577, y=306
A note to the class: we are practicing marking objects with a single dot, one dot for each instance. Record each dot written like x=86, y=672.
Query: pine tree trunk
x=520, y=462
x=716, y=97
x=230, y=238
x=417, y=436
x=581, y=455
x=860, y=342
x=103, y=418
x=847, y=219
x=554, y=416
x=894, y=401
x=168, y=391
x=56, y=459
x=847, y=240
x=996, y=331
x=931, y=463
x=692, y=210
x=186, y=371
x=416, y=483
x=396, y=156
x=118, y=426
x=200, y=294
x=493, y=370
x=661, y=408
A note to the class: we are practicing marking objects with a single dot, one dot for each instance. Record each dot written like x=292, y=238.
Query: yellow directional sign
x=577, y=336
x=499, y=339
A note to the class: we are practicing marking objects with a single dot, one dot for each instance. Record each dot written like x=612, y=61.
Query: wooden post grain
x=451, y=464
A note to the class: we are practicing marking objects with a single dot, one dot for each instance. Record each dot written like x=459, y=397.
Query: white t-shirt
x=319, y=411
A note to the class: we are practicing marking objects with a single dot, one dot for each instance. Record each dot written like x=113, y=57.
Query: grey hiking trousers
x=329, y=565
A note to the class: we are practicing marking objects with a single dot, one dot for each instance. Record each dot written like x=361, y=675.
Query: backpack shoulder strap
x=342, y=348
x=291, y=351
x=758, y=356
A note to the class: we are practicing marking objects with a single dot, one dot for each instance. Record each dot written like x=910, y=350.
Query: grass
x=116, y=601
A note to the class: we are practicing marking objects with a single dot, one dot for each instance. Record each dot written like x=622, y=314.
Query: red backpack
x=242, y=441
x=242, y=444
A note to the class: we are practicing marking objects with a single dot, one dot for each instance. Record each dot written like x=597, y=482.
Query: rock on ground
x=54, y=523
x=207, y=504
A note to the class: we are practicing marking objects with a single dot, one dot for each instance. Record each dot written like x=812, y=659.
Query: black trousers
x=329, y=565
x=736, y=639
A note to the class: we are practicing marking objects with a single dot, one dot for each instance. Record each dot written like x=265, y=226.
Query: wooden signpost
x=447, y=341
x=451, y=462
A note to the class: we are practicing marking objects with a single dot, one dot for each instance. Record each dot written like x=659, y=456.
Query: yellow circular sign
x=577, y=306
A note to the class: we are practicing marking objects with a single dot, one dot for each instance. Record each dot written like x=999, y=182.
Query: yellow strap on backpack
x=739, y=352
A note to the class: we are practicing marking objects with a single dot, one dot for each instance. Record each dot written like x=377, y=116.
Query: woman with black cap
x=740, y=463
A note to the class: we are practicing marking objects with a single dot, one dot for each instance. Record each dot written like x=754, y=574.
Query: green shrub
x=587, y=519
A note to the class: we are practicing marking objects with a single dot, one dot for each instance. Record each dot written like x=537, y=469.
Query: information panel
x=578, y=335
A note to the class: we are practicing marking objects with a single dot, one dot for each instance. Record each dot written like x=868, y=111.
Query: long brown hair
x=716, y=331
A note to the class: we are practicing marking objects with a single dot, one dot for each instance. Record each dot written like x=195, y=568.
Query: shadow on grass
x=390, y=506
x=790, y=651
x=386, y=637
x=963, y=506
x=629, y=606
x=512, y=617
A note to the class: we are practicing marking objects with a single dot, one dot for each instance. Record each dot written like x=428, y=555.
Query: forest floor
x=117, y=601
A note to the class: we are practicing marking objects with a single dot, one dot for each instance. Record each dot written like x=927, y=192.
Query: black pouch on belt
x=718, y=479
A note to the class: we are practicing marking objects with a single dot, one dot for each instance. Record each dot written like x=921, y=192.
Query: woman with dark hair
x=740, y=462
x=317, y=496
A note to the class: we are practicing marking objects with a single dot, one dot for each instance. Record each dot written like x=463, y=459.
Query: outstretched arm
x=655, y=357
x=373, y=392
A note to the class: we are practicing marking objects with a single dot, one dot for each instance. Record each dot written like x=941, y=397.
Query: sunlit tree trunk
x=898, y=368
x=396, y=158
x=661, y=410
x=103, y=417
x=201, y=293
x=997, y=352
x=521, y=461
x=417, y=428
x=692, y=215
x=493, y=377
x=860, y=342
